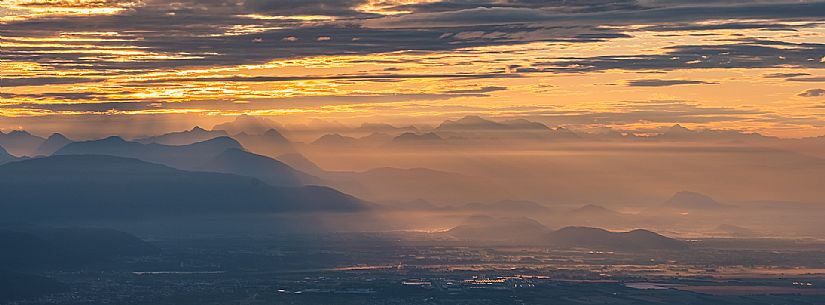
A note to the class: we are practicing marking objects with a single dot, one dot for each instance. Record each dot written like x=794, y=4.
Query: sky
x=149, y=66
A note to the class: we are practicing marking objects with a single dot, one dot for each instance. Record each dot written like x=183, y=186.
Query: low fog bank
x=379, y=177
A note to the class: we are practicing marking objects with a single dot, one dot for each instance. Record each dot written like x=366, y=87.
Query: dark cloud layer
x=813, y=93
x=221, y=32
x=664, y=82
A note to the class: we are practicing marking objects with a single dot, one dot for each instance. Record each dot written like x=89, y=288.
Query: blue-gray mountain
x=69, y=188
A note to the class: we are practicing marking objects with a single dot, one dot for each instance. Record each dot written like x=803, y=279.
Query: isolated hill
x=69, y=188
x=186, y=137
x=52, y=144
x=485, y=228
x=20, y=142
x=691, y=201
x=596, y=238
x=237, y=161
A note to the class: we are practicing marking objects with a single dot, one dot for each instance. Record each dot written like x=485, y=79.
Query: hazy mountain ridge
x=68, y=188
x=52, y=144
x=20, y=142
x=196, y=134
x=221, y=154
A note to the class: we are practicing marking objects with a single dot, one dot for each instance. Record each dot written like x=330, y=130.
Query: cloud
x=229, y=105
x=664, y=82
x=815, y=79
x=746, y=53
x=673, y=13
x=812, y=93
x=372, y=77
x=784, y=75
x=38, y=81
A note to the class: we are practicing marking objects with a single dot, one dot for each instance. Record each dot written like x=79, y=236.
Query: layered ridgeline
x=72, y=188
x=221, y=154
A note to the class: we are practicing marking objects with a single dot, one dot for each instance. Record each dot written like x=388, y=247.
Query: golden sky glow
x=759, y=74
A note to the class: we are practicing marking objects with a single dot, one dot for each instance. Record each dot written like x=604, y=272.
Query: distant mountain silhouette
x=302, y=163
x=485, y=228
x=409, y=137
x=67, y=188
x=237, y=161
x=475, y=127
x=187, y=137
x=52, y=144
x=595, y=238
x=384, y=128
x=680, y=133
x=335, y=139
x=188, y=157
x=271, y=143
x=376, y=138
x=20, y=142
x=470, y=122
x=692, y=201
x=248, y=124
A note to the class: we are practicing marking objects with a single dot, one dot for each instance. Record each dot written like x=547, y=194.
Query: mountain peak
x=113, y=139
x=19, y=133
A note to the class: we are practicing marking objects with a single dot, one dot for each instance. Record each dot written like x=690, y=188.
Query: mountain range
x=70, y=188
x=221, y=154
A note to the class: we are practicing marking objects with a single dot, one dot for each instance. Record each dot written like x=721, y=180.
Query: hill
x=596, y=238
x=485, y=228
